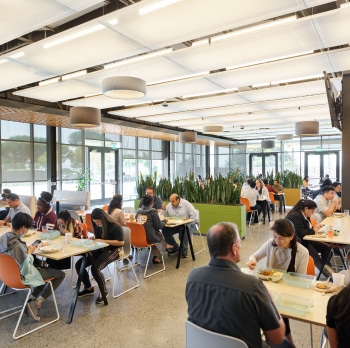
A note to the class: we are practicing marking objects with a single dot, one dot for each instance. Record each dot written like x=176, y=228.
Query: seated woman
x=338, y=319
x=115, y=209
x=66, y=225
x=263, y=192
x=149, y=218
x=11, y=244
x=45, y=214
x=282, y=252
x=105, y=230
x=300, y=215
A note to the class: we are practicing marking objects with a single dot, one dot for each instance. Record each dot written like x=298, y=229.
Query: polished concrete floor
x=152, y=315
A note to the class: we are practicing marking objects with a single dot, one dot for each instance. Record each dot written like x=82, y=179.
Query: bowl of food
x=270, y=274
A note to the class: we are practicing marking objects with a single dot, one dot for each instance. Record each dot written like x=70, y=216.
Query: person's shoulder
x=302, y=249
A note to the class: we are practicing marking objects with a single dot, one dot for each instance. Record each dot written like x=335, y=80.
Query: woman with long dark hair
x=338, y=319
x=105, y=230
x=300, y=216
x=115, y=209
x=282, y=252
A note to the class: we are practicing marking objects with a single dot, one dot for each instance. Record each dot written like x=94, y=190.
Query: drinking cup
x=346, y=213
x=338, y=279
x=44, y=228
x=330, y=233
x=82, y=208
x=68, y=236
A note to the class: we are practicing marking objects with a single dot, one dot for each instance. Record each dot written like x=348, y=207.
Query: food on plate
x=321, y=286
x=267, y=272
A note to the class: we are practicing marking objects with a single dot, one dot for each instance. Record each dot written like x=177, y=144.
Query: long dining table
x=71, y=250
x=335, y=222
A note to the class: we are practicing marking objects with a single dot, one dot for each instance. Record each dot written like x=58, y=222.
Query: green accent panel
x=211, y=214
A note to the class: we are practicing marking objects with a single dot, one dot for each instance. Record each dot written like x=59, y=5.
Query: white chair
x=323, y=339
x=200, y=234
x=127, y=250
x=11, y=278
x=197, y=337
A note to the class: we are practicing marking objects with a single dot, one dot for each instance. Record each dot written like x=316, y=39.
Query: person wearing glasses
x=282, y=252
x=157, y=203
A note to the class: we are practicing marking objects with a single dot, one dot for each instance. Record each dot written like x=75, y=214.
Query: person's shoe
x=184, y=254
x=155, y=261
x=86, y=292
x=173, y=251
x=99, y=299
x=33, y=310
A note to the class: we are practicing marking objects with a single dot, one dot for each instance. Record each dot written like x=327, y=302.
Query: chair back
x=245, y=201
x=105, y=207
x=198, y=224
x=272, y=197
x=9, y=272
x=88, y=221
x=84, y=227
x=196, y=337
x=311, y=267
x=137, y=235
x=129, y=210
x=126, y=246
x=313, y=221
x=74, y=215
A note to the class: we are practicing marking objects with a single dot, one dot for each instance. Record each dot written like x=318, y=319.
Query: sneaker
x=99, y=299
x=86, y=292
x=173, y=251
x=184, y=254
x=33, y=310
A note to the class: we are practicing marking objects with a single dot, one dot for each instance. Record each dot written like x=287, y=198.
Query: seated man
x=157, y=204
x=179, y=207
x=222, y=299
x=326, y=203
x=279, y=188
x=252, y=194
x=16, y=206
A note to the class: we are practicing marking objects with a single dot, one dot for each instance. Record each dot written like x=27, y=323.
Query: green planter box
x=211, y=214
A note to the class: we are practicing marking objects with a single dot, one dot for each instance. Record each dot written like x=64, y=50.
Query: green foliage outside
x=83, y=178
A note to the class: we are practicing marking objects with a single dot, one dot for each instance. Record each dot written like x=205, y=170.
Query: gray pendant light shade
x=188, y=137
x=213, y=129
x=267, y=144
x=85, y=116
x=307, y=128
x=124, y=87
x=284, y=136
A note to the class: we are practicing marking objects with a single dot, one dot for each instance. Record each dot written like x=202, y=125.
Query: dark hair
x=248, y=181
x=12, y=197
x=20, y=220
x=147, y=200
x=265, y=181
x=64, y=215
x=285, y=228
x=276, y=180
x=252, y=184
x=326, y=189
x=46, y=198
x=150, y=188
x=336, y=183
x=6, y=191
x=116, y=202
x=301, y=205
x=107, y=221
x=221, y=237
x=342, y=304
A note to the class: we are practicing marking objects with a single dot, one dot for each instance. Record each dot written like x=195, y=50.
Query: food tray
x=293, y=304
x=49, y=235
x=299, y=280
x=278, y=274
x=86, y=243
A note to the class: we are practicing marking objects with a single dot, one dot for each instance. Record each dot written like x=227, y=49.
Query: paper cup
x=338, y=279
x=68, y=237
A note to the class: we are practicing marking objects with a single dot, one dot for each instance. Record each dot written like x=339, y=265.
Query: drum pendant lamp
x=188, y=137
x=267, y=144
x=307, y=128
x=85, y=116
x=124, y=87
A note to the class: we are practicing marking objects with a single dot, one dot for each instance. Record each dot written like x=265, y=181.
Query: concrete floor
x=152, y=315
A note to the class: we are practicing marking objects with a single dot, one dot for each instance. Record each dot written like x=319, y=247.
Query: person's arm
x=117, y=232
x=122, y=218
x=257, y=256
x=157, y=222
x=331, y=209
x=300, y=225
x=332, y=337
x=276, y=336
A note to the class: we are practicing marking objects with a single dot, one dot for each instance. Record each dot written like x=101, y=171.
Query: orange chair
x=244, y=201
x=84, y=226
x=11, y=277
x=313, y=221
x=138, y=240
x=105, y=207
x=272, y=199
x=311, y=267
x=88, y=222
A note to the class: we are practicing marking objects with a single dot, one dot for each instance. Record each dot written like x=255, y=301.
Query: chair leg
x=41, y=326
x=148, y=258
x=200, y=234
x=115, y=276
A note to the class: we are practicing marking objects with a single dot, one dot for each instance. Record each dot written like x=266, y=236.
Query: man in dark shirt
x=222, y=299
x=157, y=203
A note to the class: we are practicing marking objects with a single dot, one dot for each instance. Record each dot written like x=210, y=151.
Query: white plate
x=50, y=248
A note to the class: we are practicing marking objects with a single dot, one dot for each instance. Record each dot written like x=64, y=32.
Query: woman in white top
x=282, y=252
x=115, y=209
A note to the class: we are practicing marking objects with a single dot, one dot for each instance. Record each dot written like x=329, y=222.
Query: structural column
x=346, y=142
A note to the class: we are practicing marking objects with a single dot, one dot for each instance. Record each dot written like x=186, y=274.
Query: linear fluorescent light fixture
x=49, y=81
x=13, y=56
x=220, y=91
x=73, y=75
x=200, y=43
x=78, y=34
x=345, y=5
x=254, y=28
x=181, y=78
x=139, y=58
x=156, y=6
